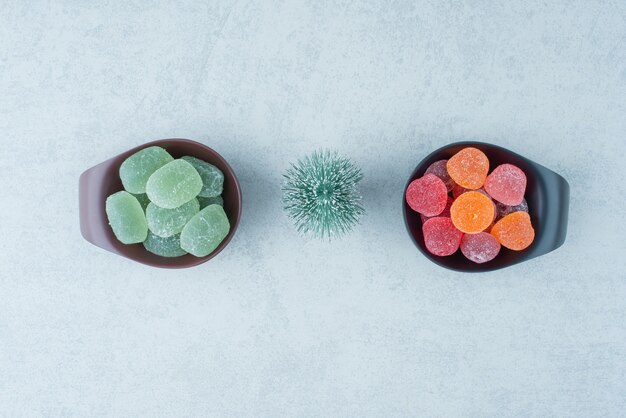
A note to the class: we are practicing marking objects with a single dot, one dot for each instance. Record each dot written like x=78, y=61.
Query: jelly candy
x=212, y=177
x=136, y=169
x=173, y=184
x=514, y=231
x=468, y=168
x=143, y=200
x=440, y=169
x=204, y=232
x=504, y=210
x=506, y=184
x=427, y=195
x=440, y=236
x=480, y=248
x=126, y=218
x=444, y=214
x=165, y=247
x=206, y=201
x=472, y=212
x=168, y=222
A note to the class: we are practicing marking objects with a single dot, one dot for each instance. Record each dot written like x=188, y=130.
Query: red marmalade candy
x=427, y=195
x=506, y=184
x=440, y=236
x=480, y=248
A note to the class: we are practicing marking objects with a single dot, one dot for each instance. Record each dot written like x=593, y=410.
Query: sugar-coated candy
x=205, y=231
x=440, y=236
x=168, y=222
x=444, y=214
x=174, y=184
x=506, y=184
x=126, y=218
x=514, y=231
x=480, y=248
x=427, y=195
x=143, y=200
x=504, y=210
x=440, y=169
x=165, y=247
x=206, y=201
x=468, y=168
x=212, y=177
x=472, y=212
x=137, y=169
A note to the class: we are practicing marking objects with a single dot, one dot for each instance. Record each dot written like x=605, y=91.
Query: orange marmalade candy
x=472, y=212
x=514, y=231
x=468, y=168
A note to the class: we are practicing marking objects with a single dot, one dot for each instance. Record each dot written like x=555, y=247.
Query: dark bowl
x=102, y=180
x=547, y=194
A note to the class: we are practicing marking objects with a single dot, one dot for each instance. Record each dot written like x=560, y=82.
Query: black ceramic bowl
x=102, y=180
x=547, y=194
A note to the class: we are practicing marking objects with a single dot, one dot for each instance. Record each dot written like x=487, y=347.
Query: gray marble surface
x=279, y=325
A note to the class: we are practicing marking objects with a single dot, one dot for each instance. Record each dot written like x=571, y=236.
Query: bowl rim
x=192, y=261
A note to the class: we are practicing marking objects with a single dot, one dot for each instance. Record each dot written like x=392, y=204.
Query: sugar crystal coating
x=212, y=177
x=514, y=231
x=137, y=169
x=206, y=201
x=506, y=184
x=168, y=222
x=165, y=247
x=468, y=168
x=444, y=214
x=480, y=248
x=126, y=218
x=504, y=210
x=427, y=195
x=440, y=169
x=472, y=212
x=440, y=236
x=173, y=184
x=205, y=231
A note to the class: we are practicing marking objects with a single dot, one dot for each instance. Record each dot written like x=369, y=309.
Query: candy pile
x=484, y=212
x=173, y=207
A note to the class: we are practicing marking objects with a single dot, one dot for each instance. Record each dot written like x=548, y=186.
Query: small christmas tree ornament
x=320, y=194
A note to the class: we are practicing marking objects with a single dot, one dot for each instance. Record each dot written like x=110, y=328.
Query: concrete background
x=280, y=325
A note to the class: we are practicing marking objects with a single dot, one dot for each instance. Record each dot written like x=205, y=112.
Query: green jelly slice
x=168, y=222
x=137, y=169
x=204, y=232
x=143, y=200
x=173, y=184
x=212, y=177
x=126, y=218
x=165, y=247
x=206, y=201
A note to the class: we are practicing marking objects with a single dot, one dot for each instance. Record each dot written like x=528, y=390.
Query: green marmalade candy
x=126, y=218
x=165, y=247
x=173, y=184
x=206, y=201
x=212, y=177
x=205, y=231
x=136, y=169
x=168, y=222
